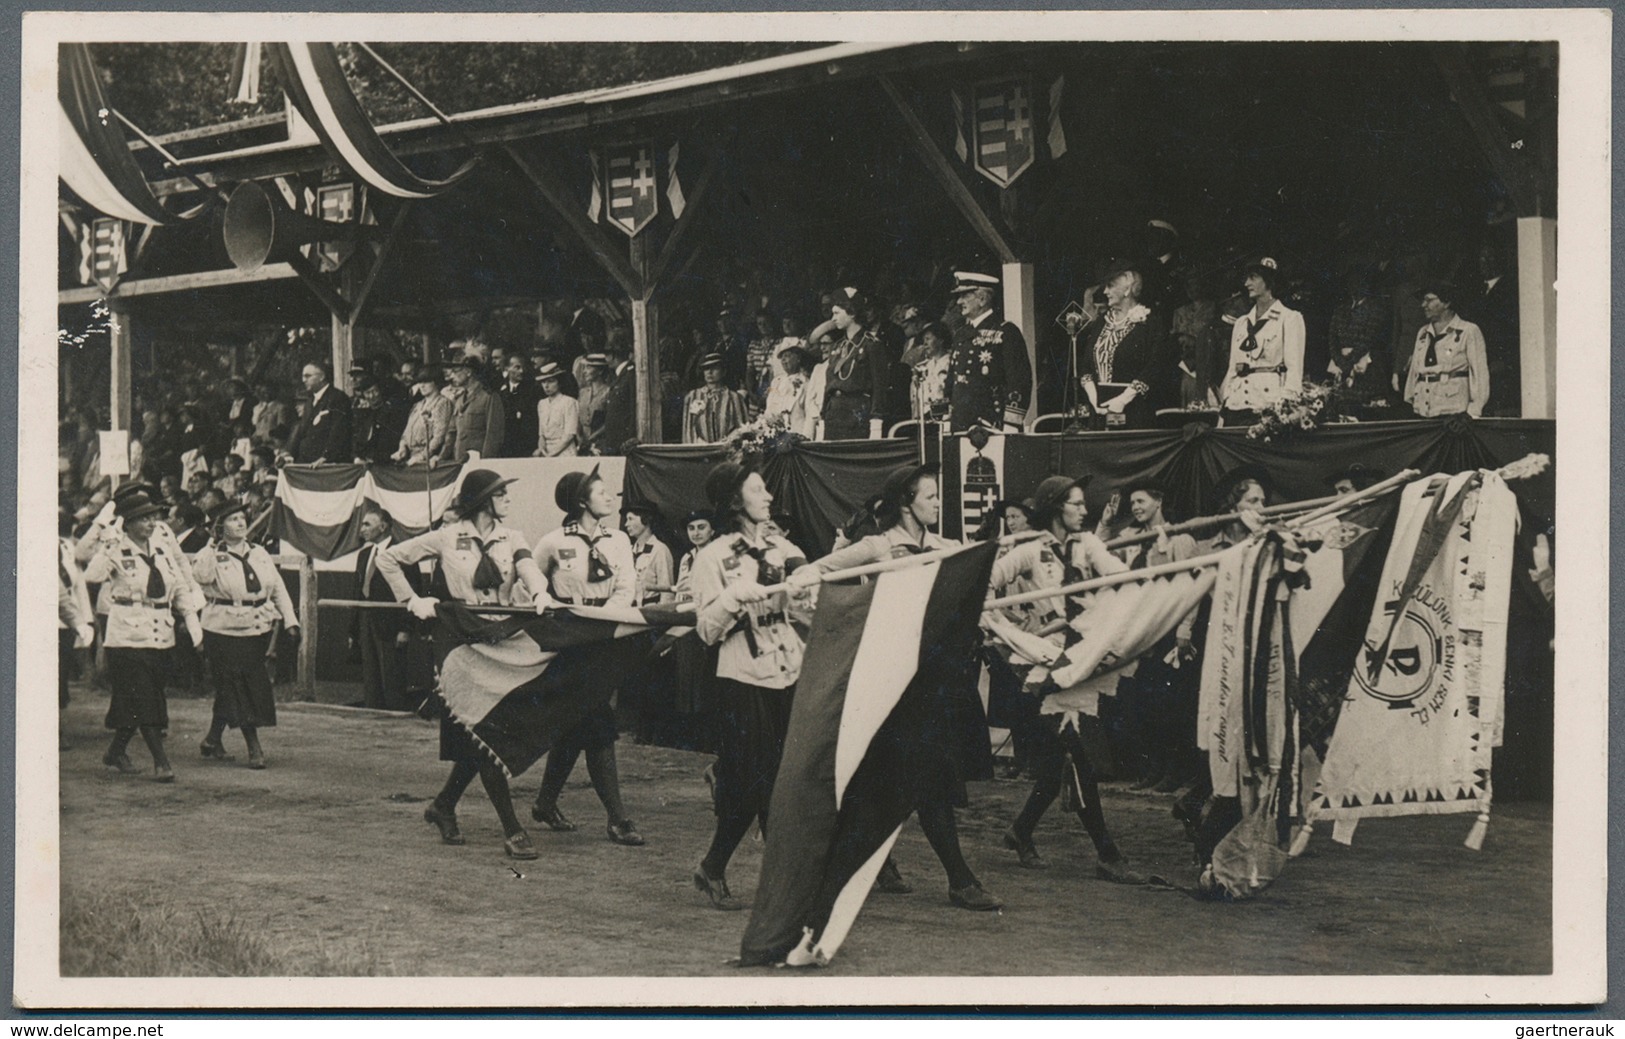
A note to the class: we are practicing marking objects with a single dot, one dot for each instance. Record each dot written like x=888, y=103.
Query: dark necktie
x=1250, y=344
x=1433, y=338
x=156, y=589
x=487, y=575
x=251, y=580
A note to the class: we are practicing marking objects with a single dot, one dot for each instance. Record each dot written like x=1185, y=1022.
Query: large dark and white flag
x=881, y=661
x=515, y=684
x=1423, y=707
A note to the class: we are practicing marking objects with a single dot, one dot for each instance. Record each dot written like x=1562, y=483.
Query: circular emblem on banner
x=1411, y=664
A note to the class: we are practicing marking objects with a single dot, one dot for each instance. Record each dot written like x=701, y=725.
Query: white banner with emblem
x=1423, y=708
x=981, y=481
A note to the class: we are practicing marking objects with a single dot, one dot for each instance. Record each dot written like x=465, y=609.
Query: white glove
x=876, y=429
x=86, y=634
x=105, y=517
x=422, y=606
x=804, y=578
x=1253, y=521
x=544, y=602
x=194, y=629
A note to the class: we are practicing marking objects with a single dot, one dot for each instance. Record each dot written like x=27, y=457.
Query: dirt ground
x=328, y=847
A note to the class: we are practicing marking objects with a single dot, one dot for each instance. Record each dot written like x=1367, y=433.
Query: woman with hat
x=758, y=660
x=1449, y=371
x=908, y=507
x=428, y=437
x=587, y=562
x=855, y=376
x=558, y=417
x=1065, y=554
x=477, y=562
x=1266, y=348
x=1123, y=360
x=712, y=411
x=785, y=403
x=594, y=396
x=244, y=598
x=145, y=583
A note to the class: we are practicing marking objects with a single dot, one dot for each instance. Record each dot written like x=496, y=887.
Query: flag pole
x=901, y=562
x=1198, y=562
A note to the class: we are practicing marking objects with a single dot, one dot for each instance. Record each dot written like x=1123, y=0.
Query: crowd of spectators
x=1155, y=332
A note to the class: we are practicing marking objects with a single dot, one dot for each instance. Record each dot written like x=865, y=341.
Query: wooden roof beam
x=564, y=202
x=1513, y=173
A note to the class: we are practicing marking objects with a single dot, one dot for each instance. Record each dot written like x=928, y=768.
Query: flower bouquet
x=768, y=435
x=1316, y=405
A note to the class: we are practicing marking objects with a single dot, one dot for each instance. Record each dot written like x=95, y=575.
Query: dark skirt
x=846, y=416
x=754, y=722
x=456, y=744
x=137, y=678
x=242, y=687
x=696, y=665
x=596, y=730
x=64, y=663
x=952, y=747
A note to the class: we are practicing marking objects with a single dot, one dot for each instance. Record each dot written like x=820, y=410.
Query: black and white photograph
x=784, y=510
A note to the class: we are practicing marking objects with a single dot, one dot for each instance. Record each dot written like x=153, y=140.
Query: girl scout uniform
x=1449, y=371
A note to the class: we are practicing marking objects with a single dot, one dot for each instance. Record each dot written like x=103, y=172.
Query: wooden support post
x=1021, y=309
x=645, y=347
x=309, y=630
x=1537, y=316
x=949, y=177
x=120, y=335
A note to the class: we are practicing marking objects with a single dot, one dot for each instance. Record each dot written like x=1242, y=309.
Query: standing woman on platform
x=906, y=510
x=145, y=584
x=1266, y=349
x=758, y=660
x=244, y=598
x=477, y=561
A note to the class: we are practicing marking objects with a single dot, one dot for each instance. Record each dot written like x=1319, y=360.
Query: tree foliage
x=168, y=87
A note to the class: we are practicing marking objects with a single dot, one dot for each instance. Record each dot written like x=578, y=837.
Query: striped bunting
x=318, y=508
x=878, y=667
x=315, y=82
x=516, y=683
x=95, y=160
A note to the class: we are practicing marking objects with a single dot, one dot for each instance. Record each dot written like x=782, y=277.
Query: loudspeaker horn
x=260, y=228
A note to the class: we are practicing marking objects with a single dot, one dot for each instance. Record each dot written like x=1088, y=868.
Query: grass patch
x=115, y=935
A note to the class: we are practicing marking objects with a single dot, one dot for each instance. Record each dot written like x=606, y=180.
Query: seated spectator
x=557, y=417
x=712, y=411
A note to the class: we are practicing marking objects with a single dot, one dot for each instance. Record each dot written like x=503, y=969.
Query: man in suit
x=1493, y=307
x=520, y=394
x=323, y=432
x=478, y=419
x=382, y=634
x=621, y=406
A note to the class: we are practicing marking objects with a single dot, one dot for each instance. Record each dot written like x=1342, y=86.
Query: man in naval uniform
x=989, y=372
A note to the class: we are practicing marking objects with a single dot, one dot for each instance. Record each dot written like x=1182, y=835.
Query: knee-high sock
x=1089, y=810
x=731, y=829
x=154, y=737
x=1047, y=778
x=561, y=761
x=462, y=774
x=938, y=825
x=496, y=788
x=606, y=780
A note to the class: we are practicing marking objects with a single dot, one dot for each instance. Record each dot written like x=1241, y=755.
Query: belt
x=845, y=393
x=219, y=601
x=145, y=602
x=1244, y=370
x=1440, y=376
x=593, y=600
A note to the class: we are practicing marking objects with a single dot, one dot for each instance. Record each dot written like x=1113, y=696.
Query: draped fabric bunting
x=95, y=160
x=863, y=730
x=318, y=508
x=1424, y=703
x=315, y=82
x=517, y=683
